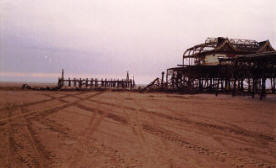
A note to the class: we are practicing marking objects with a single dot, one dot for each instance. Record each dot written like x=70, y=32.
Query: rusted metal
x=154, y=85
x=222, y=65
x=223, y=47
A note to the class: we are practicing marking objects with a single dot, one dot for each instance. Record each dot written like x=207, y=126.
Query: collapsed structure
x=225, y=65
x=93, y=83
x=87, y=84
x=213, y=49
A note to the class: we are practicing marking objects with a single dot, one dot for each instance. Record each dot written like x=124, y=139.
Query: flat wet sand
x=126, y=129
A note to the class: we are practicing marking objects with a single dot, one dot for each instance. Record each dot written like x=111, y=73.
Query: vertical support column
x=217, y=88
x=263, y=90
x=234, y=71
x=234, y=87
x=211, y=83
x=59, y=82
x=96, y=82
x=173, y=80
x=239, y=85
x=242, y=85
x=221, y=83
x=86, y=82
x=200, y=84
x=273, y=85
x=80, y=83
x=133, y=82
x=254, y=87
x=226, y=85
x=75, y=82
x=91, y=83
x=105, y=83
x=249, y=86
x=162, y=81
x=69, y=82
x=62, y=77
x=167, y=76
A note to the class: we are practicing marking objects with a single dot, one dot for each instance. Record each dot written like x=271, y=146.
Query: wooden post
x=162, y=81
x=242, y=85
x=217, y=88
x=211, y=83
x=234, y=89
x=167, y=76
x=239, y=85
x=91, y=83
x=62, y=77
x=96, y=82
x=273, y=85
x=249, y=86
x=133, y=82
x=263, y=90
x=205, y=85
x=222, y=86
x=80, y=83
x=226, y=85
x=173, y=85
x=254, y=87
x=86, y=82
x=59, y=83
x=200, y=84
x=69, y=82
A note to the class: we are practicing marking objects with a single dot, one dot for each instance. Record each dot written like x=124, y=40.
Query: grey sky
x=109, y=37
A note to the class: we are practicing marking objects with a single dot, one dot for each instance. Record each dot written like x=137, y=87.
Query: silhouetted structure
x=95, y=83
x=225, y=65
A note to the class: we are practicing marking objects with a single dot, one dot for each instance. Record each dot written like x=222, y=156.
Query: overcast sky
x=109, y=37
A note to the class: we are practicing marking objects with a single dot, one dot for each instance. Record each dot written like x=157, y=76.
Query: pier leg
x=80, y=83
x=162, y=81
x=263, y=90
x=273, y=85
x=234, y=88
x=242, y=85
x=254, y=87
x=69, y=82
x=249, y=86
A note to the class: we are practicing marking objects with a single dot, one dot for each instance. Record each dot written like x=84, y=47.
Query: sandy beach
x=126, y=129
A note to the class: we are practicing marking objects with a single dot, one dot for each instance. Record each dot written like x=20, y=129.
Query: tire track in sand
x=22, y=136
x=23, y=149
x=46, y=111
x=165, y=155
x=236, y=131
x=218, y=155
x=34, y=142
x=135, y=125
x=146, y=147
x=83, y=139
x=78, y=157
x=10, y=153
x=51, y=98
x=233, y=129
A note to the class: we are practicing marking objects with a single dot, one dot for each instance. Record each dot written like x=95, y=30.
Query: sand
x=77, y=129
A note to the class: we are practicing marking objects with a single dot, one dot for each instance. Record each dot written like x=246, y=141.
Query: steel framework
x=248, y=74
x=232, y=47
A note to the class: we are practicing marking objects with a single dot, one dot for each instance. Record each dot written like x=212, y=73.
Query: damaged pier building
x=221, y=64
